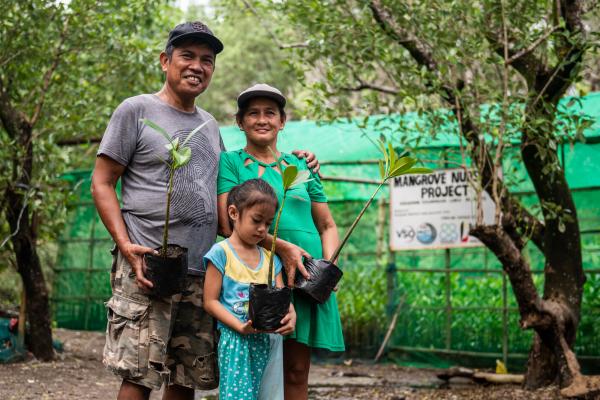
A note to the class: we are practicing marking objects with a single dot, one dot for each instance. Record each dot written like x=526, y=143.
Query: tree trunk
x=563, y=269
x=25, y=250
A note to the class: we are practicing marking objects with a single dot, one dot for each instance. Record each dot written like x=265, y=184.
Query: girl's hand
x=291, y=256
x=246, y=328
x=288, y=322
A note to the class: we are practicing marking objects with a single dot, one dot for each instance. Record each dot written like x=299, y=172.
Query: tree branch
x=518, y=271
x=270, y=31
x=570, y=51
x=370, y=86
x=424, y=57
x=12, y=119
x=47, y=80
x=532, y=46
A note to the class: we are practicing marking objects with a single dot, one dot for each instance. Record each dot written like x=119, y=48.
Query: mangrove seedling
x=390, y=166
x=291, y=177
x=179, y=156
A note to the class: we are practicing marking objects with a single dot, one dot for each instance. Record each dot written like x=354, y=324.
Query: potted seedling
x=324, y=274
x=269, y=304
x=168, y=268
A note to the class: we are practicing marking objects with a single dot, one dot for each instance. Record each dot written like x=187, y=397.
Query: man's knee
x=133, y=391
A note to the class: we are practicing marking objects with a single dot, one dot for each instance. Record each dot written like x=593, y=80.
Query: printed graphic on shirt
x=195, y=184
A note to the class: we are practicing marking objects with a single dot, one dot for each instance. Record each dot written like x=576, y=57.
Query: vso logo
x=406, y=234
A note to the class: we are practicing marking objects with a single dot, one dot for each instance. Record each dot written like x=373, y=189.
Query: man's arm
x=311, y=160
x=104, y=180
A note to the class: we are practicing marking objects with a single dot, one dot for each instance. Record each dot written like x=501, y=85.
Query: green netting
x=458, y=304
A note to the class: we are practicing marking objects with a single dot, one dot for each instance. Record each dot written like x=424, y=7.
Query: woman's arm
x=224, y=228
x=212, y=290
x=291, y=257
x=326, y=227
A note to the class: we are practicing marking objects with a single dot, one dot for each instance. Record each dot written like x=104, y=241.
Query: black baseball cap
x=196, y=30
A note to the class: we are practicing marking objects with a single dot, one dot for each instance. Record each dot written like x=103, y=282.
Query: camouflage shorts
x=150, y=340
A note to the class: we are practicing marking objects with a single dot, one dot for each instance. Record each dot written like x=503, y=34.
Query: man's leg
x=131, y=391
x=138, y=328
x=176, y=392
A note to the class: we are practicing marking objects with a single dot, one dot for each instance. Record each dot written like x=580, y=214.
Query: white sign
x=435, y=210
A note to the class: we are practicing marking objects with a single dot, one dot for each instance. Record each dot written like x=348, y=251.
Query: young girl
x=231, y=265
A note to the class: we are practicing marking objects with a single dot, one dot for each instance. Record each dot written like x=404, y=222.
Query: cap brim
x=211, y=40
x=244, y=97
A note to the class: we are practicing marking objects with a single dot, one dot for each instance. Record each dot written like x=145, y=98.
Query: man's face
x=190, y=68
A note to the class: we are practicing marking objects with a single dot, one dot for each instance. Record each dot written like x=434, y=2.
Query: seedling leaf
x=402, y=165
x=183, y=156
x=289, y=175
x=419, y=170
x=157, y=128
x=301, y=177
x=196, y=130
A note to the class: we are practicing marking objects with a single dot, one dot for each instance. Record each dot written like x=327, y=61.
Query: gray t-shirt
x=193, y=213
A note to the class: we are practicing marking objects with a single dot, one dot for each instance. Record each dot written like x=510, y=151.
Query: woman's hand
x=288, y=322
x=291, y=256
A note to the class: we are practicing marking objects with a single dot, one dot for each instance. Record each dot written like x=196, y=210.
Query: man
x=153, y=340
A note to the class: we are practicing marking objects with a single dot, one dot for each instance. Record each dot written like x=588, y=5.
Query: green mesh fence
x=458, y=304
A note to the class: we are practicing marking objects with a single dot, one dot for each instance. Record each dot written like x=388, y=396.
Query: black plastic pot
x=324, y=276
x=268, y=306
x=167, y=274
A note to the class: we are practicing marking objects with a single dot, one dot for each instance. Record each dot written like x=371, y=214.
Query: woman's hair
x=251, y=193
x=243, y=109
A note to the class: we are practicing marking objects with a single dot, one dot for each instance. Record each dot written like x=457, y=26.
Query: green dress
x=317, y=325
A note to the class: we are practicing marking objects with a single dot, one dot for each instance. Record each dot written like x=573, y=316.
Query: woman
x=306, y=225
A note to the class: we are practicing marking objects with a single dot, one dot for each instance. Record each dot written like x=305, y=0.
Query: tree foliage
x=251, y=56
x=499, y=69
x=64, y=68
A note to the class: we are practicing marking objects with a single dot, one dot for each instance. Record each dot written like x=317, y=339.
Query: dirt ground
x=78, y=373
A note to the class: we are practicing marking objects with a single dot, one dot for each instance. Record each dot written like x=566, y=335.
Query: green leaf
x=381, y=169
x=183, y=156
x=196, y=130
x=289, y=175
x=302, y=177
x=392, y=154
x=157, y=128
x=402, y=164
x=419, y=170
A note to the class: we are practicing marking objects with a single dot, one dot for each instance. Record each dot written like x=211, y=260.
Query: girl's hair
x=251, y=193
x=243, y=109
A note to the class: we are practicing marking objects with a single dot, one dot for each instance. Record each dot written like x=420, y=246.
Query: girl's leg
x=296, y=364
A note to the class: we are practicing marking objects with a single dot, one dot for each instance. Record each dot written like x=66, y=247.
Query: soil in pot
x=167, y=274
x=268, y=306
x=324, y=276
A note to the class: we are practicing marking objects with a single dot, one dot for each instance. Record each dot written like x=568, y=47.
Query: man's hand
x=311, y=159
x=134, y=253
x=288, y=322
x=291, y=256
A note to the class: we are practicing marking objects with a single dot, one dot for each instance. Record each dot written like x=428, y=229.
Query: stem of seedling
x=166, y=232
x=271, y=258
x=349, y=232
